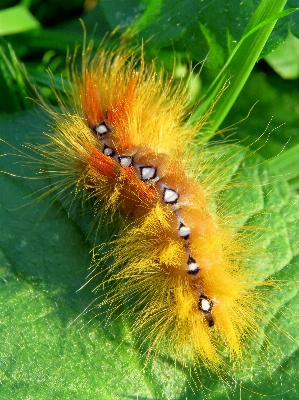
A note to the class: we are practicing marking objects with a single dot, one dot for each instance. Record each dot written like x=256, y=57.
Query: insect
x=180, y=265
x=125, y=143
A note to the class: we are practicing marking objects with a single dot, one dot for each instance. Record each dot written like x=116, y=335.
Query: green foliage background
x=48, y=350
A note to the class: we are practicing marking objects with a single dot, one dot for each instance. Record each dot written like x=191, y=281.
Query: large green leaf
x=49, y=350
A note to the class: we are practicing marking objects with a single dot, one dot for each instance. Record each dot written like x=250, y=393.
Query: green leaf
x=274, y=116
x=286, y=164
x=285, y=59
x=241, y=62
x=50, y=348
x=17, y=19
x=202, y=28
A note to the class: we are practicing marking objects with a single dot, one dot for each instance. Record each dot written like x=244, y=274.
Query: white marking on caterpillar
x=192, y=266
x=102, y=129
x=170, y=196
x=108, y=151
x=125, y=161
x=184, y=231
x=205, y=304
x=148, y=172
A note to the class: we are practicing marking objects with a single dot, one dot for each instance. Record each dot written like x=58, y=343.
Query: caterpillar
x=179, y=264
x=126, y=145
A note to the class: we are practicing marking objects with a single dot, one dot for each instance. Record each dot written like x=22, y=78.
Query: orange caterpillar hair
x=176, y=264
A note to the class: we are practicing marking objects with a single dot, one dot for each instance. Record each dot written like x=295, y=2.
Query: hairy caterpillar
x=124, y=143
